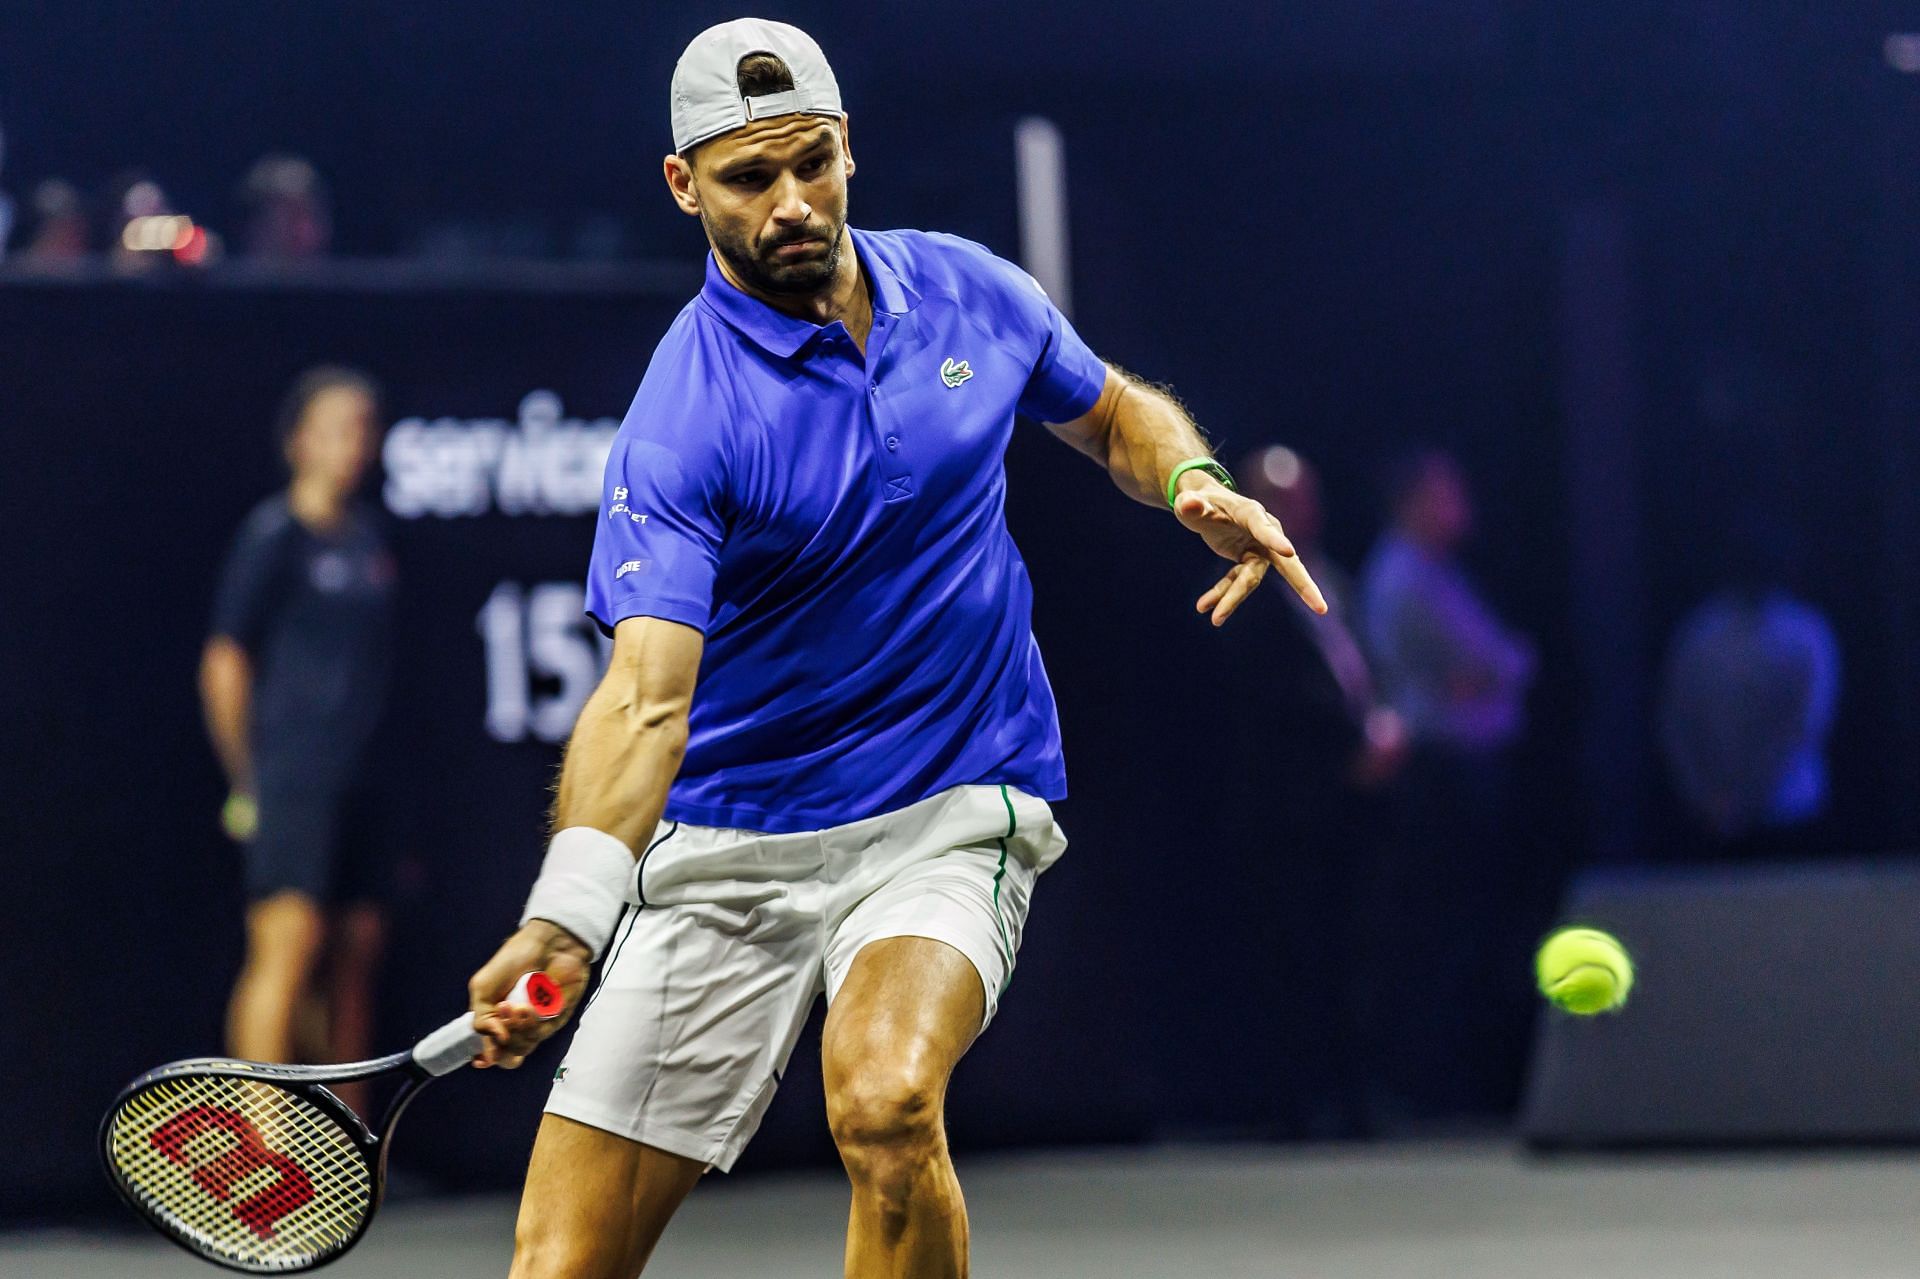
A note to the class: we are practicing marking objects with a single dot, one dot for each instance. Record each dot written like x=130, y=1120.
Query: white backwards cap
x=706, y=98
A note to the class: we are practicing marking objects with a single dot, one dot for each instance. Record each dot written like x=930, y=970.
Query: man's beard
x=760, y=271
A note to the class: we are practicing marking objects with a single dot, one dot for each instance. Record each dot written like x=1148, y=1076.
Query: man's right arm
x=226, y=700
x=251, y=584
x=625, y=751
x=631, y=735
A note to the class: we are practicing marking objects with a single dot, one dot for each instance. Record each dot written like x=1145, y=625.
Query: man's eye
x=815, y=167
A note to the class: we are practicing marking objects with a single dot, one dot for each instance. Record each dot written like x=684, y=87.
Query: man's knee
x=542, y=1250
x=886, y=1120
x=285, y=934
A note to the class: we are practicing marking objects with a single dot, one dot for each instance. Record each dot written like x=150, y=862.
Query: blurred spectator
x=132, y=198
x=6, y=201
x=289, y=217
x=1456, y=673
x=1458, y=883
x=1748, y=697
x=1326, y=747
x=148, y=234
x=60, y=231
x=292, y=680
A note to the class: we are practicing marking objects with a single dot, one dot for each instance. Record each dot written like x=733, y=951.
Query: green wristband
x=1206, y=464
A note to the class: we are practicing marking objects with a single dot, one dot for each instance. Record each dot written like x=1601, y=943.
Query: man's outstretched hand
x=1240, y=529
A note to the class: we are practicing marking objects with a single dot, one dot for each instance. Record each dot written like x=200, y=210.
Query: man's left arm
x=1141, y=433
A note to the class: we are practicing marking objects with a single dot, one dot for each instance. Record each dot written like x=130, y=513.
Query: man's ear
x=846, y=147
x=680, y=184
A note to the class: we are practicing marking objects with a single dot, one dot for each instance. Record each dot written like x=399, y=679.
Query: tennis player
x=822, y=754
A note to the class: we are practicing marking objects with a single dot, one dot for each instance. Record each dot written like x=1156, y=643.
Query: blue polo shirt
x=835, y=524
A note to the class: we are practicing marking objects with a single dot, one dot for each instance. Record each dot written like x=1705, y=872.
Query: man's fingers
x=1302, y=582
x=512, y=1033
x=496, y=977
x=1215, y=591
x=488, y=1025
x=1243, y=579
x=1266, y=530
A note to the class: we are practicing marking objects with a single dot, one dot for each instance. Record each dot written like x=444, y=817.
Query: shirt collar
x=786, y=336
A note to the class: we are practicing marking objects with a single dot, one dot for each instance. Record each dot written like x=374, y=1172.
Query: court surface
x=1362, y=1212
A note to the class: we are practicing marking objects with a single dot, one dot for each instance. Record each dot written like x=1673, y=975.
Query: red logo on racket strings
x=259, y=1211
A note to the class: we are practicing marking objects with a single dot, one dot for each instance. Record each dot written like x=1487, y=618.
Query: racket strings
x=241, y=1169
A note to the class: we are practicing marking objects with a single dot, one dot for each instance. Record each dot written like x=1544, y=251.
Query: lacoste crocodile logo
x=953, y=372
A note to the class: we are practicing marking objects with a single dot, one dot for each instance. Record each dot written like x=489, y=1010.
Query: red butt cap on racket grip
x=456, y=1043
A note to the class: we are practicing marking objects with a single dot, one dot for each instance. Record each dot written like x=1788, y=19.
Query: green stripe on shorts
x=998, y=875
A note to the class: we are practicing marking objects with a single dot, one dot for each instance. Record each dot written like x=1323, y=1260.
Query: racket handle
x=457, y=1043
x=450, y=1047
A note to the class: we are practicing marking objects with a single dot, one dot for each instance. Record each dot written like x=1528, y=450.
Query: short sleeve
x=250, y=583
x=661, y=523
x=1068, y=376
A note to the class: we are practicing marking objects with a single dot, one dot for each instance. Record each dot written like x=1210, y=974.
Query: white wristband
x=582, y=885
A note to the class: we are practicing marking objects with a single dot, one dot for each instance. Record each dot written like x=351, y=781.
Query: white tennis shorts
x=730, y=935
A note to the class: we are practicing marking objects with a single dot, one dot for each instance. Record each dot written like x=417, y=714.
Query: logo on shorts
x=953, y=372
x=631, y=566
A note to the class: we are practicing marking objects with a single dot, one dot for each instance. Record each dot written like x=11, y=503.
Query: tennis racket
x=261, y=1168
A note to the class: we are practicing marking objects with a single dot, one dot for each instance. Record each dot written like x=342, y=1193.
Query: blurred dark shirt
x=315, y=615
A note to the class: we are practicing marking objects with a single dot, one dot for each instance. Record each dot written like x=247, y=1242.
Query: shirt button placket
x=893, y=469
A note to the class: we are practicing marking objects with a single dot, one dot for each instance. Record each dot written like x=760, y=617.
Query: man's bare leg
x=284, y=936
x=908, y=1009
x=358, y=937
x=595, y=1204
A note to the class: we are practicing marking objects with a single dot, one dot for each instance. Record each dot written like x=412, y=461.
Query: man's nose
x=790, y=206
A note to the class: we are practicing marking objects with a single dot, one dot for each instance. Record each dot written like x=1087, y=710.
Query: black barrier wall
x=1766, y=1015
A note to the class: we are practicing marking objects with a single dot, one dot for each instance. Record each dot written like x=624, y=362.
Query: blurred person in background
x=1747, y=700
x=148, y=234
x=1328, y=746
x=289, y=216
x=292, y=682
x=60, y=229
x=131, y=195
x=1457, y=881
x=1453, y=670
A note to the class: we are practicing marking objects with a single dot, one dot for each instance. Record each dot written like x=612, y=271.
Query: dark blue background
x=1647, y=267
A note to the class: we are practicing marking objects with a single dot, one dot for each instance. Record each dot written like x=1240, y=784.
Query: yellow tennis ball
x=1584, y=970
x=240, y=818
